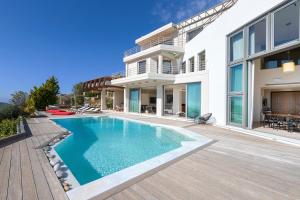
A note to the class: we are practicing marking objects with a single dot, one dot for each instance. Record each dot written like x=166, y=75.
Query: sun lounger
x=203, y=119
x=93, y=110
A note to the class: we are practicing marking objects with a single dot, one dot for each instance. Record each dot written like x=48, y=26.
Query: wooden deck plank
x=42, y=187
x=4, y=171
x=1, y=154
x=55, y=187
x=28, y=184
x=15, y=179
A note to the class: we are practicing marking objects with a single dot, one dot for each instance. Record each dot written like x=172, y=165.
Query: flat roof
x=166, y=28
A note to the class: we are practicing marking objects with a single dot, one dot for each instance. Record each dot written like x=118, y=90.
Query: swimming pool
x=105, y=153
x=104, y=145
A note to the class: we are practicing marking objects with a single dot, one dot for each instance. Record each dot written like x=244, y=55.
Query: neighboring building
x=100, y=93
x=233, y=60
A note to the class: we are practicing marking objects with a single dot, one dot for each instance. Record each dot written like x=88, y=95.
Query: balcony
x=148, y=75
x=164, y=41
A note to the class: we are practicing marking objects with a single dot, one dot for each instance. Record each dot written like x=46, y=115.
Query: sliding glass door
x=193, y=100
x=134, y=99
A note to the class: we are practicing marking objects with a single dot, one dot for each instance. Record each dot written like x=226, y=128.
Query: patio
x=236, y=166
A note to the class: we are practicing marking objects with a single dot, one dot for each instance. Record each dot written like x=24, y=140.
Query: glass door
x=134, y=100
x=193, y=100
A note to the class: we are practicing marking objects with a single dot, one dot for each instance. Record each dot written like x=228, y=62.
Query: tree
x=46, y=94
x=19, y=99
x=78, y=92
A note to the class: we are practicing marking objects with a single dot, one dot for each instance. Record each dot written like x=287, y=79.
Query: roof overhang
x=165, y=30
x=145, y=80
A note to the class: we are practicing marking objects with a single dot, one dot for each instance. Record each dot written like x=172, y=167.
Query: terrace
x=236, y=166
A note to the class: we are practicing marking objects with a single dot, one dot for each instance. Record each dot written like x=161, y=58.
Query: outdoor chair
x=203, y=119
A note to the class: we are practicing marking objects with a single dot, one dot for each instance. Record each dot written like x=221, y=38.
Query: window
x=167, y=67
x=257, y=37
x=193, y=100
x=277, y=60
x=236, y=47
x=194, y=33
x=236, y=109
x=134, y=100
x=183, y=68
x=192, y=64
x=142, y=67
x=202, y=61
x=236, y=77
x=286, y=24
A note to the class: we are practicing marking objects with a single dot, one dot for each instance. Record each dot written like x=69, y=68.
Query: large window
x=236, y=94
x=192, y=64
x=134, y=100
x=202, y=61
x=236, y=78
x=193, y=100
x=167, y=67
x=257, y=37
x=142, y=67
x=236, y=47
x=286, y=24
x=236, y=110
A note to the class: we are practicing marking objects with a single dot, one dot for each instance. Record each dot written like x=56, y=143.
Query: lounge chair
x=93, y=110
x=203, y=119
x=83, y=110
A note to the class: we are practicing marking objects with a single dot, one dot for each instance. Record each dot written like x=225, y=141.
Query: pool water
x=100, y=146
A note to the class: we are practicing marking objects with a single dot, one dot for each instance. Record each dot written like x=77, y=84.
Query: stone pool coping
x=113, y=183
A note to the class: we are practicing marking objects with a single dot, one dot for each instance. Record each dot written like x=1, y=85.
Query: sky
x=76, y=40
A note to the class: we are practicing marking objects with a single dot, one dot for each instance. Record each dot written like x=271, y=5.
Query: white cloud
x=176, y=10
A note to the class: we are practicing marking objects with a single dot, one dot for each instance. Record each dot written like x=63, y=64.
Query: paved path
x=237, y=166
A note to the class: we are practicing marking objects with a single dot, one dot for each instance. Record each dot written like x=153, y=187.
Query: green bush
x=9, y=112
x=8, y=127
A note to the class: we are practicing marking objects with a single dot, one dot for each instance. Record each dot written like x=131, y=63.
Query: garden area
x=23, y=105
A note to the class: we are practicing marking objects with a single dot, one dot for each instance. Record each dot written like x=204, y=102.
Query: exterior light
x=289, y=67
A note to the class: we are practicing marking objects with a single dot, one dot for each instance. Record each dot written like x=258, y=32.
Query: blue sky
x=76, y=40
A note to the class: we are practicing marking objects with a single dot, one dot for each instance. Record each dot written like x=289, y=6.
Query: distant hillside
x=3, y=105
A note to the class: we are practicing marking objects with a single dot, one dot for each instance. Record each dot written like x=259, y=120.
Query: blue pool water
x=100, y=146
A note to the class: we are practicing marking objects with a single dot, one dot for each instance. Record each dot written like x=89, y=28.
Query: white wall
x=213, y=40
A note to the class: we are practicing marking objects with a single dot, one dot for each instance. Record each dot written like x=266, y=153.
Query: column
x=159, y=100
x=160, y=64
x=103, y=99
x=114, y=100
x=176, y=99
x=126, y=99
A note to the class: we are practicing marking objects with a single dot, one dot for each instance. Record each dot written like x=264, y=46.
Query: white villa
x=234, y=60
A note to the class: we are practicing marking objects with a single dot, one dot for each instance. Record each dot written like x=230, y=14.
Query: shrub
x=9, y=112
x=8, y=127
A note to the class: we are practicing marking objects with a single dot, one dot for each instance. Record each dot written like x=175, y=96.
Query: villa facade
x=234, y=60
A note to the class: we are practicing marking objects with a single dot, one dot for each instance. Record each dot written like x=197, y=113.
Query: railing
x=159, y=41
x=166, y=69
x=170, y=69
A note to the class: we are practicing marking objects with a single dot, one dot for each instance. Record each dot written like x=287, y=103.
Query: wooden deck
x=25, y=172
x=237, y=166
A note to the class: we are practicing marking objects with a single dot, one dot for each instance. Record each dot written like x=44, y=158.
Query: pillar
x=103, y=99
x=159, y=100
x=176, y=99
x=126, y=99
x=160, y=64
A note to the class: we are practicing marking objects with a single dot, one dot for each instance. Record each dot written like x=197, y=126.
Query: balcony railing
x=170, y=69
x=159, y=41
x=166, y=69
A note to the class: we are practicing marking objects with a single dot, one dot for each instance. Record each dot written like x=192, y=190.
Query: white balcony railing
x=154, y=69
x=152, y=43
